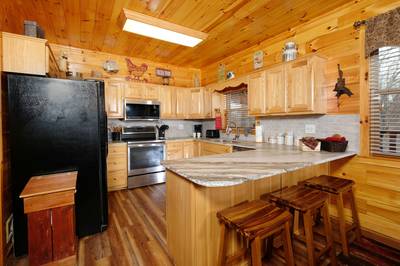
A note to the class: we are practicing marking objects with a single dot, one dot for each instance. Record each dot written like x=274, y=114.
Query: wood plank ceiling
x=233, y=25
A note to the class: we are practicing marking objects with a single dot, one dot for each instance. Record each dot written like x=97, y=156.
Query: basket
x=333, y=146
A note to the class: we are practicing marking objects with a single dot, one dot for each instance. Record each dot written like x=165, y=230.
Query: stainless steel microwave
x=141, y=110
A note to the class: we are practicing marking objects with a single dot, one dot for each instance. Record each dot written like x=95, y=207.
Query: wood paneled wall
x=377, y=193
x=331, y=35
x=86, y=61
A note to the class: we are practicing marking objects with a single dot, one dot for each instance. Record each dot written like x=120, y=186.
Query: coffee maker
x=198, y=129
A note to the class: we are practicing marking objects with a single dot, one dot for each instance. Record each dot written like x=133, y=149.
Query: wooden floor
x=136, y=234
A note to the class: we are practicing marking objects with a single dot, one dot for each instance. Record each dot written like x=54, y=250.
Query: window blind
x=237, y=110
x=384, y=78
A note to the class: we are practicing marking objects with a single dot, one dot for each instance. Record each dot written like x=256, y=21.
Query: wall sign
x=258, y=59
x=136, y=72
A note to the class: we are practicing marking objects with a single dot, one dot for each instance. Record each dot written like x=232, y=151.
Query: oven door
x=142, y=110
x=144, y=164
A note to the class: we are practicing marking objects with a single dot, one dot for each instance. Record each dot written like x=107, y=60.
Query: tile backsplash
x=325, y=125
x=177, y=128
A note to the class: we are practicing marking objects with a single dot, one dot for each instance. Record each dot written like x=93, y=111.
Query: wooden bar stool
x=308, y=201
x=255, y=221
x=336, y=187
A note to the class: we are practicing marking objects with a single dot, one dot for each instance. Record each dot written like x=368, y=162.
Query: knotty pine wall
x=85, y=61
x=331, y=35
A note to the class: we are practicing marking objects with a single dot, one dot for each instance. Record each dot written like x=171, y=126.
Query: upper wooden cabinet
x=114, y=92
x=24, y=54
x=200, y=103
x=275, y=95
x=135, y=90
x=256, y=93
x=168, y=101
x=289, y=88
x=183, y=103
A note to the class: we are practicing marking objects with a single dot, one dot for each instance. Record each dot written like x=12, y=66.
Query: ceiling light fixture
x=160, y=29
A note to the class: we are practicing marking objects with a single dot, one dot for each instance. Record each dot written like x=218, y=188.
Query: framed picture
x=258, y=59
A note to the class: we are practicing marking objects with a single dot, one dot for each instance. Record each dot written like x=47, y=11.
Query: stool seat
x=299, y=198
x=254, y=221
x=329, y=184
x=255, y=218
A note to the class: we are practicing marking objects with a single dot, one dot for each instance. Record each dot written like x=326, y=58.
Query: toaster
x=212, y=133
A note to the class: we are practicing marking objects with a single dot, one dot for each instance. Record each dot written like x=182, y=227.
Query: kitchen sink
x=236, y=148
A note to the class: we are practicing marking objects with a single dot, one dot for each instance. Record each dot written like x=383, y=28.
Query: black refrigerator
x=58, y=125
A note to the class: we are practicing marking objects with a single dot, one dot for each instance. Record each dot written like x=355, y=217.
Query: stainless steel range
x=145, y=153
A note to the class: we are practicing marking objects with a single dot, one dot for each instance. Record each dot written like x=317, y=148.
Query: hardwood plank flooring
x=136, y=235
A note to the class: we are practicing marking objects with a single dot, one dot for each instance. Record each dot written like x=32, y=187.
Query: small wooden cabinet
x=183, y=103
x=200, y=103
x=49, y=202
x=117, y=166
x=114, y=92
x=24, y=54
x=300, y=86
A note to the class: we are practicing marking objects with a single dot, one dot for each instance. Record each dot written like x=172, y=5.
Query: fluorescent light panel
x=159, y=29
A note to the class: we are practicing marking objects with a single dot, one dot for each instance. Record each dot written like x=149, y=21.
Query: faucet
x=229, y=130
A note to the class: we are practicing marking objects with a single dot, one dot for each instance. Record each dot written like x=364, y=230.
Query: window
x=237, y=109
x=385, y=101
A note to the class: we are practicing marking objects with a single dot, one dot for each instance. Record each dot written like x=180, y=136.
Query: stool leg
x=354, y=212
x=256, y=252
x=342, y=224
x=328, y=232
x=309, y=237
x=222, y=245
x=287, y=245
x=270, y=246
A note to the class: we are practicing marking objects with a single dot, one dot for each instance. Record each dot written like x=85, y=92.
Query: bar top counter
x=238, y=167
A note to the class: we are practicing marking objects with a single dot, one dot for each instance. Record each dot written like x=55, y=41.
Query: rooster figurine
x=136, y=72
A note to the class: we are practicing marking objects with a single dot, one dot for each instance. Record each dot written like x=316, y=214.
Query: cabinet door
x=174, y=150
x=275, y=90
x=135, y=90
x=196, y=102
x=300, y=87
x=188, y=149
x=152, y=92
x=256, y=93
x=114, y=91
x=183, y=101
x=168, y=101
x=207, y=104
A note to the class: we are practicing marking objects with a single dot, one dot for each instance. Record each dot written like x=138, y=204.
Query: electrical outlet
x=310, y=129
x=180, y=127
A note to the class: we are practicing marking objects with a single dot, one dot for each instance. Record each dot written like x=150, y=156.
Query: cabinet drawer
x=116, y=162
x=208, y=149
x=117, y=179
x=116, y=148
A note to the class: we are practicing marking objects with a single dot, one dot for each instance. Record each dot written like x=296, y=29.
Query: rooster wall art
x=136, y=72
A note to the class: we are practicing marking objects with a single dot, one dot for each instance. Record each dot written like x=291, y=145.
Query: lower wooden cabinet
x=174, y=150
x=117, y=166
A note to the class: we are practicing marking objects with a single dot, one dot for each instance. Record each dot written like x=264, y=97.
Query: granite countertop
x=238, y=167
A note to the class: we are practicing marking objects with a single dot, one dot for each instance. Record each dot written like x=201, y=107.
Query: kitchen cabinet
x=183, y=102
x=305, y=81
x=114, y=92
x=275, y=95
x=24, y=54
x=174, y=150
x=256, y=93
x=168, y=101
x=200, y=103
x=135, y=90
x=117, y=166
